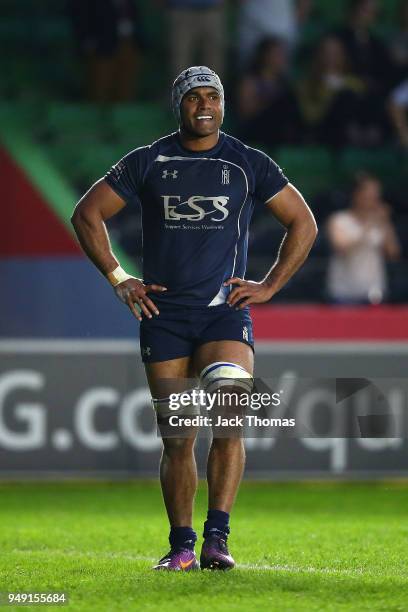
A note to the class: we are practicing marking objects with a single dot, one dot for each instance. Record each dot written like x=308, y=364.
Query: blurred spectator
x=399, y=44
x=267, y=107
x=329, y=96
x=362, y=238
x=369, y=56
x=110, y=40
x=371, y=61
x=196, y=34
x=398, y=109
x=259, y=19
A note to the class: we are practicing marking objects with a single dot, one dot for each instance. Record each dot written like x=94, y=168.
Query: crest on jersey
x=225, y=174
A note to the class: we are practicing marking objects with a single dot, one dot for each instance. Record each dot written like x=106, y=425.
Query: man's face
x=201, y=111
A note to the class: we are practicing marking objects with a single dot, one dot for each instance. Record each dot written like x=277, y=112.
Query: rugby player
x=197, y=189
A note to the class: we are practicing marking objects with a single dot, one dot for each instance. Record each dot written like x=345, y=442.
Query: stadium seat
x=140, y=124
x=55, y=31
x=381, y=162
x=82, y=165
x=389, y=12
x=77, y=121
x=309, y=168
x=96, y=162
x=332, y=13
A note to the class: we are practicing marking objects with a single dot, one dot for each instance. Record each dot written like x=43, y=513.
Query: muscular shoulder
x=149, y=152
x=236, y=145
x=253, y=157
x=128, y=175
x=267, y=178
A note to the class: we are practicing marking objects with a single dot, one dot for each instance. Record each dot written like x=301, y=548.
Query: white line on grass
x=241, y=566
x=299, y=570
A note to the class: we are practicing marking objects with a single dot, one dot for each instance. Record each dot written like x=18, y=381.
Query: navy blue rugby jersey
x=196, y=208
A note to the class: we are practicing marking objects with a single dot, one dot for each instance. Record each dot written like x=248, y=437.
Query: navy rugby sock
x=217, y=523
x=182, y=537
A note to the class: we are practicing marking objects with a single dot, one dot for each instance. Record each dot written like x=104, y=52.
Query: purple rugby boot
x=181, y=559
x=215, y=555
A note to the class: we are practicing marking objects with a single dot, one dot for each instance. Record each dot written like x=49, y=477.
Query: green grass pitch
x=310, y=546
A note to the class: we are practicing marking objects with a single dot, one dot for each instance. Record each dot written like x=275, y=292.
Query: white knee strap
x=172, y=405
x=224, y=373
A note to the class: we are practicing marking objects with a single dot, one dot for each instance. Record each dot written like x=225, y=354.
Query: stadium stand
x=43, y=97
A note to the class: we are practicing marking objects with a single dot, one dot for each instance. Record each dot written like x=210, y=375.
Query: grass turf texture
x=310, y=546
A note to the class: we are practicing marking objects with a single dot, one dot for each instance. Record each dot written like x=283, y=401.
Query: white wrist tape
x=117, y=276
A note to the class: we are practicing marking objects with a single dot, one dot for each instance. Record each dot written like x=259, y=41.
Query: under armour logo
x=245, y=333
x=146, y=351
x=118, y=169
x=172, y=173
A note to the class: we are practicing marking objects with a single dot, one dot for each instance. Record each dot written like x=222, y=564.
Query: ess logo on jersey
x=195, y=208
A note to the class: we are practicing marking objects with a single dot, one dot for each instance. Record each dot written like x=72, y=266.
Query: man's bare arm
x=93, y=209
x=290, y=209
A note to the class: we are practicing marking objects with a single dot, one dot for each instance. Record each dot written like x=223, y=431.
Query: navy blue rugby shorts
x=177, y=332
